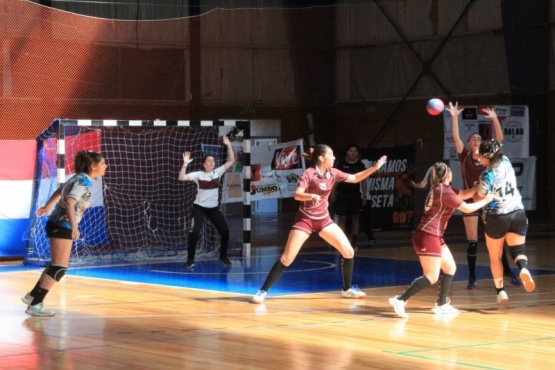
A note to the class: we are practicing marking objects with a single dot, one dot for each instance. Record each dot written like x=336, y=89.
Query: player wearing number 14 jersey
x=501, y=180
x=505, y=219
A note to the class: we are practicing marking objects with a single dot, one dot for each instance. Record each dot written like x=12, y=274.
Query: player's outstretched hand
x=454, y=109
x=381, y=161
x=187, y=158
x=490, y=113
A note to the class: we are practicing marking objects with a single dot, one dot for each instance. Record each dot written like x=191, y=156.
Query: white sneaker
x=27, y=299
x=399, y=306
x=502, y=297
x=259, y=297
x=39, y=310
x=353, y=292
x=445, y=309
x=527, y=280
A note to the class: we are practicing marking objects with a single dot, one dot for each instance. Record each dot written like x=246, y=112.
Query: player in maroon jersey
x=471, y=169
x=314, y=189
x=427, y=240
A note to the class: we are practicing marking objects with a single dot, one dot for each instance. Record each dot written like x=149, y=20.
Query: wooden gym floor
x=159, y=316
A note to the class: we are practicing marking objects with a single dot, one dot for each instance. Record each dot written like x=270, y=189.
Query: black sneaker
x=189, y=264
x=472, y=284
x=225, y=261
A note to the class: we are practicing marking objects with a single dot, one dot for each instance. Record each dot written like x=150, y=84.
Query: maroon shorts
x=308, y=225
x=425, y=244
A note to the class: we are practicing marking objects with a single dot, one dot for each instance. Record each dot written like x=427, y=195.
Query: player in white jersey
x=504, y=218
x=206, y=202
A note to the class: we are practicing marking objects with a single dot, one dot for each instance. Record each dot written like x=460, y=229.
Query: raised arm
x=230, y=154
x=455, y=112
x=490, y=113
x=186, y=160
x=359, y=176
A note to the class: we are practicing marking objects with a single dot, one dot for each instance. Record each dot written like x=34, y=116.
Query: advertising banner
x=276, y=169
x=390, y=197
x=514, y=122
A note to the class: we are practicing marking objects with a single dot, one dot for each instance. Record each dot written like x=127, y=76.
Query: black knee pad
x=517, y=250
x=56, y=272
x=472, y=248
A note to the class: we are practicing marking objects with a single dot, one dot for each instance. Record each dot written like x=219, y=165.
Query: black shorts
x=347, y=206
x=57, y=231
x=497, y=226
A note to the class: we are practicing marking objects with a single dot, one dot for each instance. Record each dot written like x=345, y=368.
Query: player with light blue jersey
x=78, y=187
x=504, y=218
x=501, y=182
x=62, y=227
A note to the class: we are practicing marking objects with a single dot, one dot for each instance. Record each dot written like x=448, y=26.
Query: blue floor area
x=311, y=272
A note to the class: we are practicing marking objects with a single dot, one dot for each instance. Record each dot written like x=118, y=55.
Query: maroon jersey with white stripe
x=321, y=184
x=441, y=202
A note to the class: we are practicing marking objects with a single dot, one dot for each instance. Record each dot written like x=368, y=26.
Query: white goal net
x=140, y=210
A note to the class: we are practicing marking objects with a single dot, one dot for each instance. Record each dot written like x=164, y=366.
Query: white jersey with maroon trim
x=207, y=185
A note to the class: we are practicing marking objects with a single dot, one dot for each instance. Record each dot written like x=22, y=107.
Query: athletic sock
x=417, y=285
x=471, y=252
x=522, y=264
x=33, y=291
x=274, y=275
x=444, y=286
x=347, y=270
x=38, y=296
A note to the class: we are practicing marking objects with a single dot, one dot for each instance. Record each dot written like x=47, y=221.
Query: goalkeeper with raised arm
x=206, y=201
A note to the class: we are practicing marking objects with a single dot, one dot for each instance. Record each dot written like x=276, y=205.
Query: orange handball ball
x=435, y=106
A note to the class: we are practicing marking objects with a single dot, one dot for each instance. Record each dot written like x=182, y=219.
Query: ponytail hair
x=491, y=150
x=84, y=159
x=313, y=153
x=435, y=175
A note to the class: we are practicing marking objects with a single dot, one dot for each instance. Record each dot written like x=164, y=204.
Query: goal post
x=140, y=211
